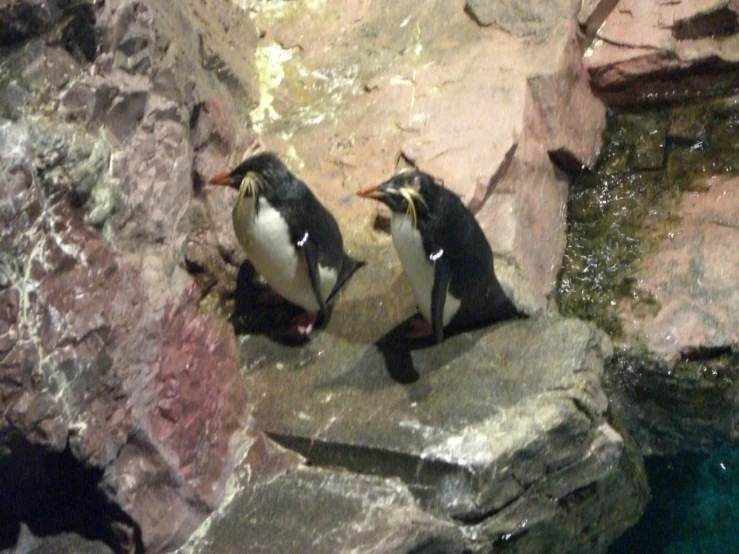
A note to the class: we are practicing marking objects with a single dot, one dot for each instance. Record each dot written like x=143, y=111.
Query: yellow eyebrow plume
x=251, y=184
x=411, y=195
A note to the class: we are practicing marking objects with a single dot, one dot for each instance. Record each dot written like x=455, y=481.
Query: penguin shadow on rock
x=406, y=359
x=259, y=310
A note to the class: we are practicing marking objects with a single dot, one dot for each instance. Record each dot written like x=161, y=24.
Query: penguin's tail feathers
x=348, y=267
x=500, y=306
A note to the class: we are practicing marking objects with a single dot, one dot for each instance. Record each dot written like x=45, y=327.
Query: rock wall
x=652, y=52
x=113, y=255
x=113, y=112
x=678, y=350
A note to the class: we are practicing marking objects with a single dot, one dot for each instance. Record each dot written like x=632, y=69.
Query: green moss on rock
x=616, y=211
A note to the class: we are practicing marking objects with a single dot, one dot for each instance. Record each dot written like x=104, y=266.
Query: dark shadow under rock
x=45, y=493
x=722, y=22
x=259, y=310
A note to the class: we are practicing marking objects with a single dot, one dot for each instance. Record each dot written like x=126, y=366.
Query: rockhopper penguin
x=444, y=254
x=292, y=240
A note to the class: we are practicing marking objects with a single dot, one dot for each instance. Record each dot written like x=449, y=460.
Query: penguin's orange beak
x=223, y=178
x=373, y=192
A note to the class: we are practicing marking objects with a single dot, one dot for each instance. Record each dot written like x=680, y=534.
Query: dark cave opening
x=54, y=493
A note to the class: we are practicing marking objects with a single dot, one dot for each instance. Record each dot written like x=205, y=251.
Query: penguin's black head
x=409, y=192
x=255, y=175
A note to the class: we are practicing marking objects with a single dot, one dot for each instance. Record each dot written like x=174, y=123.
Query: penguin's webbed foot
x=302, y=325
x=419, y=328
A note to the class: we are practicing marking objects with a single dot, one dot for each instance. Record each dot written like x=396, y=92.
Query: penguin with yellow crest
x=292, y=240
x=444, y=253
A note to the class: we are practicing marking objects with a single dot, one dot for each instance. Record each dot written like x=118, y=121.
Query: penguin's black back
x=451, y=227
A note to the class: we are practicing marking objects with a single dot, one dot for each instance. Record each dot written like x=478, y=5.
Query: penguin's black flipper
x=348, y=266
x=442, y=275
x=310, y=253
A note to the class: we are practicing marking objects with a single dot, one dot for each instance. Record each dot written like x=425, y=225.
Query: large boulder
x=499, y=436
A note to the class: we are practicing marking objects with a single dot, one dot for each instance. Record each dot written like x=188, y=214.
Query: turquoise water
x=694, y=507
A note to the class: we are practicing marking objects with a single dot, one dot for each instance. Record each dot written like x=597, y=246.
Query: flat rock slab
x=659, y=51
x=490, y=429
x=488, y=414
x=289, y=507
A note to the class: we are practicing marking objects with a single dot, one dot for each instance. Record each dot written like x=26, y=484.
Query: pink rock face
x=197, y=389
x=86, y=358
x=693, y=273
x=479, y=108
x=102, y=346
x=648, y=51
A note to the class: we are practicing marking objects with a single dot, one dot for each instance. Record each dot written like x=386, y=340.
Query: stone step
x=284, y=506
x=494, y=431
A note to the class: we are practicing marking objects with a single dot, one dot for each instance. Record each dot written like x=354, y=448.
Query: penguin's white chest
x=417, y=267
x=266, y=239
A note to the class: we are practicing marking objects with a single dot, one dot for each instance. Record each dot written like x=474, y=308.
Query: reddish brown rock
x=195, y=373
x=665, y=51
x=103, y=353
x=692, y=273
x=88, y=359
